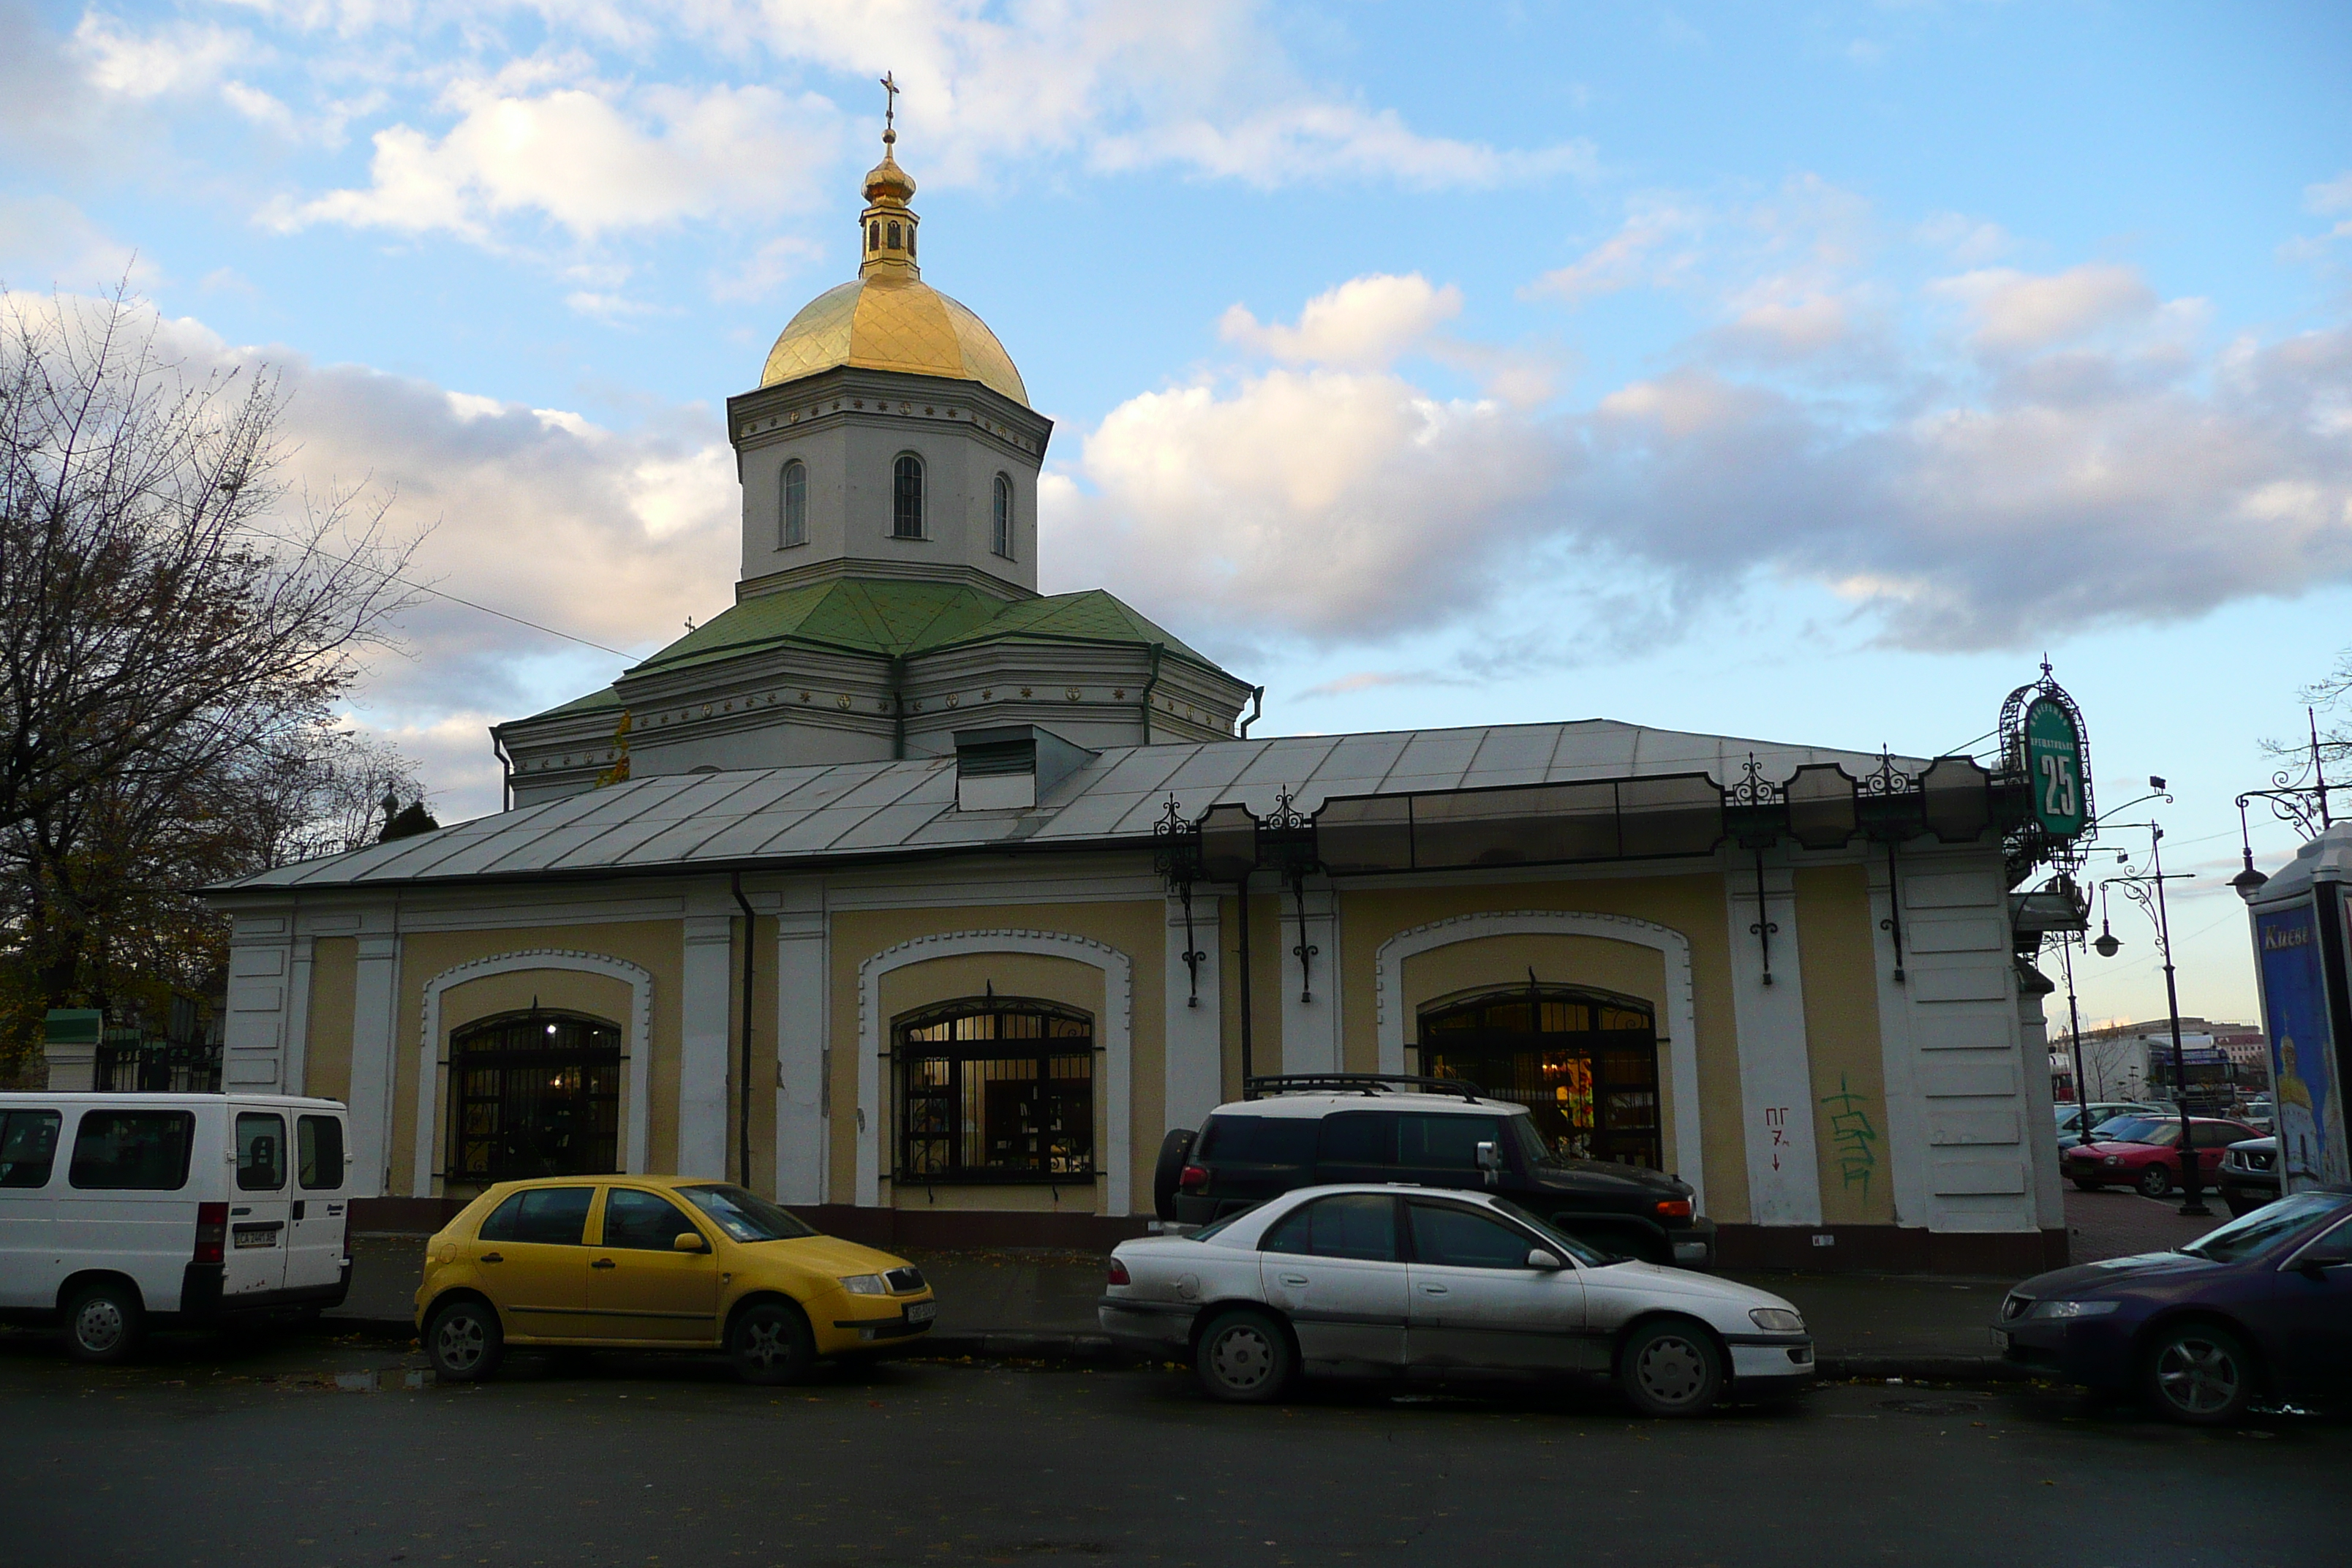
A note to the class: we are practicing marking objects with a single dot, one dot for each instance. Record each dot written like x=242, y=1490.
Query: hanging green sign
x=2053, y=762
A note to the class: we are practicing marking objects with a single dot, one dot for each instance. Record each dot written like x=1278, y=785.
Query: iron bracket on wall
x=1177, y=845
x=1756, y=809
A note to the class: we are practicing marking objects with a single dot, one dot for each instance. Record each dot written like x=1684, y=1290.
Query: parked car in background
x=2260, y=1309
x=2069, y=1115
x=123, y=1211
x=658, y=1263
x=2259, y=1115
x=1388, y=1281
x=2248, y=1174
x=2143, y=1153
x=1434, y=1132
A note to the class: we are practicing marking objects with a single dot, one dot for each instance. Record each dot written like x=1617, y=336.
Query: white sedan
x=1387, y=1281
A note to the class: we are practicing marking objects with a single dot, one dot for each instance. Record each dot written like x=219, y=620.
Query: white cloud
x=588, y=160
x=177, y=57
x=1363, y=324
x=2017, y=310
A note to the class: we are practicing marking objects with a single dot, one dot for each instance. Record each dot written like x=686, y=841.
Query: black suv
x=1304, y=1131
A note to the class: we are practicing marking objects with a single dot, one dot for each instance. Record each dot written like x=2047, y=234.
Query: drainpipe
x=896, y=679
x=1258, y=708
x=1247, y=1068
x=506, y=770
x=743, y=1097
x=1158, y=648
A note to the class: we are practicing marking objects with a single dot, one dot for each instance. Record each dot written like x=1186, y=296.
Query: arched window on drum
x=792, y=521
x=907, y=497
x=1000, y=537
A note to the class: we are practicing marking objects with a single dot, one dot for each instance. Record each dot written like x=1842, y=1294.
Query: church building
x=928, y=904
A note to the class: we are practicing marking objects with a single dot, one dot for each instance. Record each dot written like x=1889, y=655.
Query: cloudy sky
x=1802, y=371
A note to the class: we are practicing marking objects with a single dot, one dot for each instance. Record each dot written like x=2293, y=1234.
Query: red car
x=2143, y=1153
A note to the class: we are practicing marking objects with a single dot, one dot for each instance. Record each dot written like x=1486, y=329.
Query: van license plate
x=922, y=1311
x=258, y=1236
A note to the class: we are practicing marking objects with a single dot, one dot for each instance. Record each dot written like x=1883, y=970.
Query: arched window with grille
x=1584, y=1062
x=907, y=497
x=535, y=1093
x=791, y=521
x=893, y=241
x=1000, y=531
x=995, y=1089
x=874, y=235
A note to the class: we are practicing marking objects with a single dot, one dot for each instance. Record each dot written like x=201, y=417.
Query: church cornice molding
x=850, y=568
x=855, y=394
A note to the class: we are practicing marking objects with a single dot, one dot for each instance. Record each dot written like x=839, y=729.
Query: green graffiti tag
x=1853, y=1137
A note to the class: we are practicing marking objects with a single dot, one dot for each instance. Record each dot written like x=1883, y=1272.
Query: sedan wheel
x=1243, y=1359
x=464, y=1342
x=2202, y=1374
x=2155, y=1182
x=771, y=1344
x=1671, y=1368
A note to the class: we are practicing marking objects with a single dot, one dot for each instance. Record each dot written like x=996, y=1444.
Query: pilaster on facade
x=375, y=1009
x=1775, y=1085
x=1308, y=971
x=260, y=970
x=296, y=1053
x=803, y=1056
x=704, y=1007
x=1194, y=1013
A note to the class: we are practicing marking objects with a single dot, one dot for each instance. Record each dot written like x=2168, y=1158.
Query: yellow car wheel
x=464, y=1342
x=771, y=1343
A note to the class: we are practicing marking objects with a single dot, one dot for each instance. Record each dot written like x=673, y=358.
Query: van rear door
x=259, y=1211
x=30, y=1267
x=315, y=1256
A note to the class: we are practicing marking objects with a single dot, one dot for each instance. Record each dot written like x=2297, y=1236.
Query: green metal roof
x=606, y=698
x=885, y=616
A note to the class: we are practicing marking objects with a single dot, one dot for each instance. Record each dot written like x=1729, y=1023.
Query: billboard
x=2304, y=1087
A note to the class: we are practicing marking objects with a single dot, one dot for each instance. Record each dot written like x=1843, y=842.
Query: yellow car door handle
x=604, y=1263
x=492, y=1257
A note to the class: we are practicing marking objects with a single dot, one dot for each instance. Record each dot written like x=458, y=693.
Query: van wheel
x=1243, y=1359
x=1671, y=1368
x=1174, y=1150
x=771, y=1344
x=104, y=1322
x=464, y=1342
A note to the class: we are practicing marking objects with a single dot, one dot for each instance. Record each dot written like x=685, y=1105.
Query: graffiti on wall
x=1854, y=1141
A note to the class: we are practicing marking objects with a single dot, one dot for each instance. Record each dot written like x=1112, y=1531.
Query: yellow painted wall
x=1691, y=904
x=327, y=1032
x=1137, y=930
x=1841, y=977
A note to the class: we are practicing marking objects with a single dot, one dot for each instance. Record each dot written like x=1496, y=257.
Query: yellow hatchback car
x=658, y=1263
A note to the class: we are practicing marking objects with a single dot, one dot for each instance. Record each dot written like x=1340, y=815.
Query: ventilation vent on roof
x=1011, y=767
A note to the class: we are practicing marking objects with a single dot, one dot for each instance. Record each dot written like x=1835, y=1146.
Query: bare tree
x=175, y=625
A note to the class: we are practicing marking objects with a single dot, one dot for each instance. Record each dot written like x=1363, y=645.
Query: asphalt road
x=326, y=1453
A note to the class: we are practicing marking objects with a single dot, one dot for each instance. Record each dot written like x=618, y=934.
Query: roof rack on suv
x=1359, y=1083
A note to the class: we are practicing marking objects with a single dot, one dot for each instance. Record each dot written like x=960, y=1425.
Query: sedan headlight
x=1776, y=1319
x=2072, y=1309
x=2113, y=1160
x=866, y=1285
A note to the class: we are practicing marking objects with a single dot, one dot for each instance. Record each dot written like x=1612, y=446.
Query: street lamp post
x=2066, y=940
x=2146, y=889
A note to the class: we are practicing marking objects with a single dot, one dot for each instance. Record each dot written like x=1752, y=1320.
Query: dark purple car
x=2260, y=1309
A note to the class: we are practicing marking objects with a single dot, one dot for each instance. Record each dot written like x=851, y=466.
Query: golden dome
x=890, y=319
x=883, y=321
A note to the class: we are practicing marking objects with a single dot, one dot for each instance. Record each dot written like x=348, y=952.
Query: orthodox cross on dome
x=889, y=107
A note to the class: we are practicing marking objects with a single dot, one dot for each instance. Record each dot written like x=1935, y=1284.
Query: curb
x=1102, y=1350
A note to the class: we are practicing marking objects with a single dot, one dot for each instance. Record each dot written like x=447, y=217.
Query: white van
x=120, y=1209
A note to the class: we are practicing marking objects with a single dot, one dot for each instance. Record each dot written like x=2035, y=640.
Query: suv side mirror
x=1539, y=1258
x=2315, y=1264
x=687, y=1241
x=1490, y=1161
